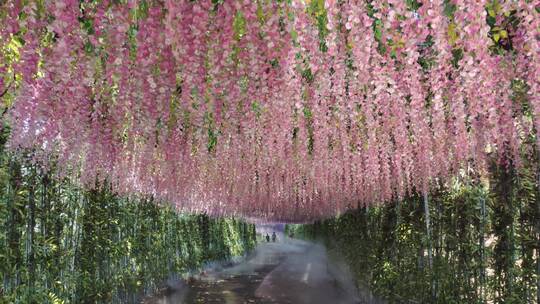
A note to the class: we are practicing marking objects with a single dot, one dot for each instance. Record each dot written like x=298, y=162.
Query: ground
x=285, y=272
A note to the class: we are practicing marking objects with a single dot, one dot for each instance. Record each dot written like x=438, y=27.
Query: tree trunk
x=9, y=227
x=395, y=246
x=44, y=222
x=16, y=220
x=30, y=237
x=482, y=246
x=429, y=247
x=538, y=239
x=428, y=231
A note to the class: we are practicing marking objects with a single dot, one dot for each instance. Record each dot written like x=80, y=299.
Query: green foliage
x=62, y=244
x=483, y=233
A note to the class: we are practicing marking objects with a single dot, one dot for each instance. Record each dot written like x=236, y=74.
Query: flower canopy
x=286, y=109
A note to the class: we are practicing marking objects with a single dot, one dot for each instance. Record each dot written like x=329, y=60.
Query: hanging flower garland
x=286, y=110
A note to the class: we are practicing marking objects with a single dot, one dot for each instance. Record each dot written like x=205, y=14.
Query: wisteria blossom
x=278, y=109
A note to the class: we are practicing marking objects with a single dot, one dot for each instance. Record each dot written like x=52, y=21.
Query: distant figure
x=267, y=238
x=273, y=236
x=291, y=235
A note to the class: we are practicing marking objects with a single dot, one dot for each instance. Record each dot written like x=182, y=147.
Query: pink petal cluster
x=246, y=108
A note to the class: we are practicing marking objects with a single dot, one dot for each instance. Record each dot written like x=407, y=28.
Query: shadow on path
x=288, y=272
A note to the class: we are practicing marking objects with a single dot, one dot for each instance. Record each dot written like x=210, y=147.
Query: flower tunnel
x=283, y=111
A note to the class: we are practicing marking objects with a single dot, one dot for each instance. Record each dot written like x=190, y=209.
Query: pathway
x=288, y=272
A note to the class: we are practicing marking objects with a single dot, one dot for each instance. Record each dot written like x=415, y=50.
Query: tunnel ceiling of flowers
x=281, y=110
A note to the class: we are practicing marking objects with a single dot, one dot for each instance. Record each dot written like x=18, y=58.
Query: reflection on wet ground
x=234, y=289
x=288, y=272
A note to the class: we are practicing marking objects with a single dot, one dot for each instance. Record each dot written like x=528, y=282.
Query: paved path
x=288, y=272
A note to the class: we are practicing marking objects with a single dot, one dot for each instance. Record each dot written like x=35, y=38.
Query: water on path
x=287, y=272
